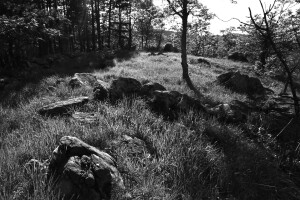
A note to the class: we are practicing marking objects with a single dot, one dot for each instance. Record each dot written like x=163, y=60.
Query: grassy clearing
x=192, y=158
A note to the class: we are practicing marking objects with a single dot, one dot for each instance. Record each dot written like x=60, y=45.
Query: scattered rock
x=237, y=56
x=124, y=87
x=62, y=107
x=165, y=103
x=100, y=93
x=149, y=88
x=202, y=60
x=186, y=103
x=83, y=79
x=89, y=118
x=35, y=166
x=82, y=171
x=170, y=103
x=235, y=111
x=241, y=83
x=137, y=147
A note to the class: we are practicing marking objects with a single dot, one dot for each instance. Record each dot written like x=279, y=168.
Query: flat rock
x=62, y=107
x=83, y=79
x=83, y=171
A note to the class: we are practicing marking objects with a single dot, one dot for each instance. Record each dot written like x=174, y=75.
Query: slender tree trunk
x=185, y=67
x=109, y=23
x=120, y=27
x=97, y=5
x=130, y=29
x=93, y=26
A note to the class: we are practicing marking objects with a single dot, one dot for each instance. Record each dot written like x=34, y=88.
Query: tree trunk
x=97, y=5
x=109, y=23
x=120, y=27
x=130, y=29
x=289, y=76
x=93, y=26
x=185, y=67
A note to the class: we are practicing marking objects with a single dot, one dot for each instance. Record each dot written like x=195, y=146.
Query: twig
x=283, y=129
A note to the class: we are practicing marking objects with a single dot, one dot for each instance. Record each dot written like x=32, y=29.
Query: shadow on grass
x=27, y=78
x=253, y=173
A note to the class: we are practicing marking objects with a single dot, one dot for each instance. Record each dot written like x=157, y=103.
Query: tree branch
x=179, y=13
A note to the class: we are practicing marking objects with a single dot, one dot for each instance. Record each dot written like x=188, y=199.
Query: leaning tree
x=283, y=38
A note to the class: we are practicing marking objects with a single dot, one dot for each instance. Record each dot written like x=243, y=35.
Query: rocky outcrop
x=82, y=171
x=170, y=103
x=100, y=92
x=149, y=88
x=236, y=111
x=62, y=107
x=83, y=79
x=241, y=83
x=122, y=86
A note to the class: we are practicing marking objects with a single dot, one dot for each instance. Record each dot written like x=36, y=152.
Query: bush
x=168, y=48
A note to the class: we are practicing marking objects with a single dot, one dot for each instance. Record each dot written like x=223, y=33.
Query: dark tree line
x=31, y=28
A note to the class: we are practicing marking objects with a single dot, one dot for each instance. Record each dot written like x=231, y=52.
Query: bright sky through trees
x=226, y=10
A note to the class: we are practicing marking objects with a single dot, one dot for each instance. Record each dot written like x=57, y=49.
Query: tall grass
x=194, y=157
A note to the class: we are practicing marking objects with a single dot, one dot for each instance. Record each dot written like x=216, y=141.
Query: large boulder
x=241, y=83
x=122, y=86
x=100, y=92
x=82, y=171
x=171, y=103
x=186, y=103
x=83, y=79
x=62, y=107
x=237, y=56
x=165, y=103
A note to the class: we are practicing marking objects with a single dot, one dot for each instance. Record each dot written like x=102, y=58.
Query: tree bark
x=185, y=67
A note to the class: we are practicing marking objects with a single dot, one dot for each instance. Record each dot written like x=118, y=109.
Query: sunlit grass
x=195, y=157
